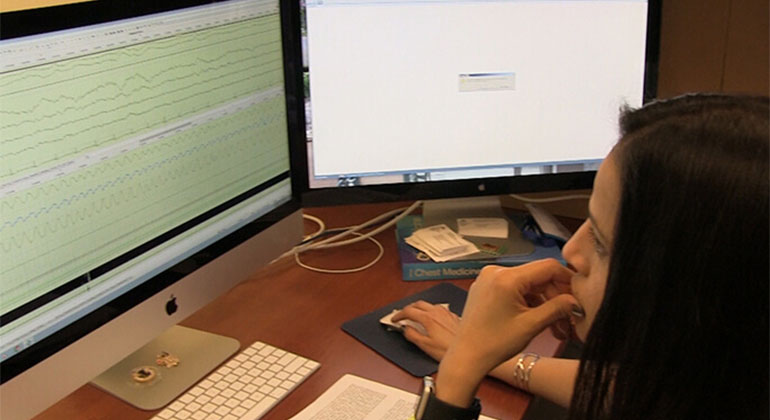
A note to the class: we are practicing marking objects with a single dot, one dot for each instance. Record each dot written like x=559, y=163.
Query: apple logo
x=171, y=305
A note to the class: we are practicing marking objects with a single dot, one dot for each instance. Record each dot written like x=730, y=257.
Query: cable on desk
x=329, y=243
x=394, y=216
x=319, y=232
x=345, y=270
x=325, y=233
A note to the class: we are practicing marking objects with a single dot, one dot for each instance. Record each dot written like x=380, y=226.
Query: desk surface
x=302, y=311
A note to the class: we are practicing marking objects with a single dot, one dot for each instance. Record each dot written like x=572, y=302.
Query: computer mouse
x=400, y=325
x=414, y=324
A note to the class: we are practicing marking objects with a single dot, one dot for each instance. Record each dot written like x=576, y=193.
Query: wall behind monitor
x=714, y=45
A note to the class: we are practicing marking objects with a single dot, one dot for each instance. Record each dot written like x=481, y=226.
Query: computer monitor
x=145, y=155
x=416, y=99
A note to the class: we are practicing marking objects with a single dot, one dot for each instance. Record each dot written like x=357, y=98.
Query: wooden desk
x=302, y=311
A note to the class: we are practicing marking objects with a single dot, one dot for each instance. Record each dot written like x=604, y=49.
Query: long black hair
x=682, y=331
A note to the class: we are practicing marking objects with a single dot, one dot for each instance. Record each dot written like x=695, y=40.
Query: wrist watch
x=429, y=407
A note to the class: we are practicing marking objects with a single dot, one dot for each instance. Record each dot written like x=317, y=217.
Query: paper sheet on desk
x=356, y=398
x=441, y=243
x=485, y=227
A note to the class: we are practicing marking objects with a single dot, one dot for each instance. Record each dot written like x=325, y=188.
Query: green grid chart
x=53, y=112
x=60, y=229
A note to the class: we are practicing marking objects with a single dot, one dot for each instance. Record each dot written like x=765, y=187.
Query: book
x=416, y=265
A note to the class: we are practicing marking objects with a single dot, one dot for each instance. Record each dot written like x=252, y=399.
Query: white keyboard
x=245, y=387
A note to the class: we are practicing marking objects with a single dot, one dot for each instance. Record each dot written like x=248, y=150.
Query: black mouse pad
x=391, y=344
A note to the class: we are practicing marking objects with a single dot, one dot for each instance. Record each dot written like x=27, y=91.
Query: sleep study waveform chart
x=127, y=139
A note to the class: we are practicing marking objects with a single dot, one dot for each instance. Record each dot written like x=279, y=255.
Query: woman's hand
x=440, y=324
x=498, y=322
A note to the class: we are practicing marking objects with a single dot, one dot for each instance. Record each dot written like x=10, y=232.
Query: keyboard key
x=285, y=359
x=245, y=387
x=295, y=364
x=259, y=409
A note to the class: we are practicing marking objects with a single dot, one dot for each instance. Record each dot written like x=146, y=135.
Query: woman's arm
x=553, y=378
x=550, y=378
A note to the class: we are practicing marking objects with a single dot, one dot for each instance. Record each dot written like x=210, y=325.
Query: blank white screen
x=384, y=82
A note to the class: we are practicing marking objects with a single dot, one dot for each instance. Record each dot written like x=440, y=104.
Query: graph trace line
x=84, y=161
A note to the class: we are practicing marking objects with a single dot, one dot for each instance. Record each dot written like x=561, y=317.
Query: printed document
x=356, y=398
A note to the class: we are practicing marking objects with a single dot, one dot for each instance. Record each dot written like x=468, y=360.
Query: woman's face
x=587, y=252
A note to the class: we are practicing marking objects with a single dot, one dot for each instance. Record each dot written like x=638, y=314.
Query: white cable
x=319, y=222
x=327, y=243
x=344, y=270
x=551, y=199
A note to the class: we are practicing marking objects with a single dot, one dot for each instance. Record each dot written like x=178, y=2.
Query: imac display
x=445, y=98
x=145, y=170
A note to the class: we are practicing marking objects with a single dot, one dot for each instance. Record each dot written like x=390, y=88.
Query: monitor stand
x=164, y=368
x=447, y=211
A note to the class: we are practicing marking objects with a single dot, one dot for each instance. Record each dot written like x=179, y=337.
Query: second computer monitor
x=469, y=97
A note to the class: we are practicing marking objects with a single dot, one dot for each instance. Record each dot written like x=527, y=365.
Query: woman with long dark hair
x=666, y=282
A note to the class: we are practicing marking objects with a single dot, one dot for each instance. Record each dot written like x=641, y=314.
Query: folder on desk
x=392, y=344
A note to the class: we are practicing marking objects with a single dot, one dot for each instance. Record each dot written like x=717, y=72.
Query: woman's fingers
x=507, y=307
x=439, y=324
x=551, y=311
x=539, y=276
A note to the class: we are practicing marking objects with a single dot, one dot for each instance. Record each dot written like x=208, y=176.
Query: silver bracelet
x=522, y=370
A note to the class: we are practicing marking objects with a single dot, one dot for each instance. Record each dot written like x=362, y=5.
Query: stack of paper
x=441, y=243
